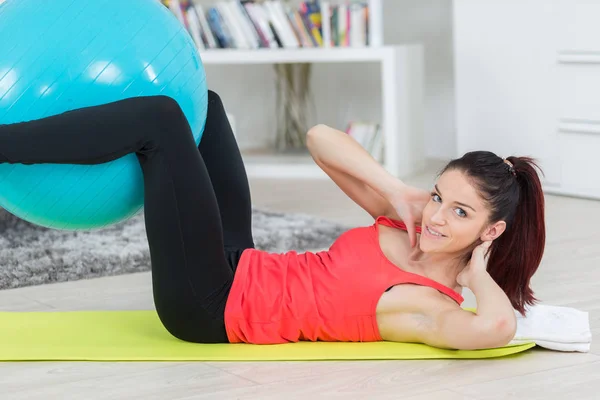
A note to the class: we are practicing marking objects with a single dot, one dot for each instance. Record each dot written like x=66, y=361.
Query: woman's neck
x=441, y=267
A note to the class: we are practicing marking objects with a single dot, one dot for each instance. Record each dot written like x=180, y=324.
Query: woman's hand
x=409, y=202
x=493, y=305
x=476, y=266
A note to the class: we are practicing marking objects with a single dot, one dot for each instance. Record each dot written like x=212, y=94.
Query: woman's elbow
x=504, y=330
x=317, y=129
x=511, y=328
x=312, y=137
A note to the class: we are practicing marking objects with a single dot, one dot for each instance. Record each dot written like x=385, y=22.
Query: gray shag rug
x=33, y=255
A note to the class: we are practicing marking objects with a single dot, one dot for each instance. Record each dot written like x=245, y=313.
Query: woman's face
x=455, y=217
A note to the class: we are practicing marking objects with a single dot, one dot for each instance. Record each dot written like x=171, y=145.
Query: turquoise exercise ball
x=60, y=55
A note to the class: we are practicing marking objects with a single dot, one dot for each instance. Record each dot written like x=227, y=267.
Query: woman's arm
x=462, y=330
x=492, y=303
x=353, y=169
x=493, y=325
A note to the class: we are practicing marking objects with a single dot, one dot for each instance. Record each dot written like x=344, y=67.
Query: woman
x=380, y=282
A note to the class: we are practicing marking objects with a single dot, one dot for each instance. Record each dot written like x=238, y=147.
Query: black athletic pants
x=197, y=204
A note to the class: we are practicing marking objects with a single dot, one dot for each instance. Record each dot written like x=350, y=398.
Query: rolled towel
x=554, y=327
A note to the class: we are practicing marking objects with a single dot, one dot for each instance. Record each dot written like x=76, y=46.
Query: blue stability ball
x=59, y=55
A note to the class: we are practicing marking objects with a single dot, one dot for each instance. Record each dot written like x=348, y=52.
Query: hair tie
x=511, y=167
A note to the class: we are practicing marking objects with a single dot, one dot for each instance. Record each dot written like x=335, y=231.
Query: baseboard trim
x=573, y=125
x=571, y=192
x=578, y=57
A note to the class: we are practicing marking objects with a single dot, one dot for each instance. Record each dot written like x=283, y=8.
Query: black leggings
x=197, y=204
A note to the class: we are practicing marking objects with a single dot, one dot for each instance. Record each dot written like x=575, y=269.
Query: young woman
x=391, y=281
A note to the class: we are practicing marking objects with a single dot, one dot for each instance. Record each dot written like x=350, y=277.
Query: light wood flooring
x=569, y=275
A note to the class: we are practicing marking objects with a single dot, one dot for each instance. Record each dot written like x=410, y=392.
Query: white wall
x=346, y=92
x=429, y=22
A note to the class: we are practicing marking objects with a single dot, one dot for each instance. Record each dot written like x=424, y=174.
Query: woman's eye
x=460, y=212
x=436, y=198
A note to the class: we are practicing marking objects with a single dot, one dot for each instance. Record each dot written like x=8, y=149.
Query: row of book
x=369, y=136
x=253, y=24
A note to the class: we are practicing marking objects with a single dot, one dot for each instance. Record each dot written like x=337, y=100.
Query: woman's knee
x=215, y=106
x=167, y=109
x=191, y=324
x=164, y=111
x=213, y=97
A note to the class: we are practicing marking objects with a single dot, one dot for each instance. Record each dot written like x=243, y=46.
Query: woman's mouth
x=432, y=233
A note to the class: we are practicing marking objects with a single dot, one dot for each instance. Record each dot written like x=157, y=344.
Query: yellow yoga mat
x=139, y=336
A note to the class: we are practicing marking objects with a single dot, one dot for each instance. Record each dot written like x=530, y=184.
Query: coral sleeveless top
x=324, y=296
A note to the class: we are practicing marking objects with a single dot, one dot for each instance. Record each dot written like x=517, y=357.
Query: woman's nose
x=438, y=217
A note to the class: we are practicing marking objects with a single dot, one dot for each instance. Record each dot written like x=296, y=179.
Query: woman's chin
x=425, y=246
x=428, y=246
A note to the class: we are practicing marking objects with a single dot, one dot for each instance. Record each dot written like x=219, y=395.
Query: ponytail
x=516, y=255
x=514, y=194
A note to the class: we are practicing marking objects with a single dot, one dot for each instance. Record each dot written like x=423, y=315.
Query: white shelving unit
x=402, y=98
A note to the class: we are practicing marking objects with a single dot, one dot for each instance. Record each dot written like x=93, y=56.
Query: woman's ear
x=493, y=231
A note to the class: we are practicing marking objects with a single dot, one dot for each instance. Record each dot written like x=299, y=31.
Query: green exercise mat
x=140, y=336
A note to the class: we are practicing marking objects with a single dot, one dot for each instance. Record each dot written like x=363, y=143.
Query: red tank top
x=324, y=296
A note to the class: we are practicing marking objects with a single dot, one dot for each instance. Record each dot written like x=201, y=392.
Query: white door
x=578, y=58
x=517, y=94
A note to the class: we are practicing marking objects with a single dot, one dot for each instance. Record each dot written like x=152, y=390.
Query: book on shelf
x=369, y=136
x=254, y=24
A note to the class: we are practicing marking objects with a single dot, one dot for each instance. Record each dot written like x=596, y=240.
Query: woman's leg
x=224, y=163
x=191, y=277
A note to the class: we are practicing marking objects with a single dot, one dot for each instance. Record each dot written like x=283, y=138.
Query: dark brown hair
x=514, y=195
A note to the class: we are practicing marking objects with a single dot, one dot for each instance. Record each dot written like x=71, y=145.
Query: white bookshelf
x=401, y=77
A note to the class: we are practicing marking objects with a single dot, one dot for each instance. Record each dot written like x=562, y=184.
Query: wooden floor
x=569, y=275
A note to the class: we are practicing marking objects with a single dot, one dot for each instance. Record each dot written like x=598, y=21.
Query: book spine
x=343, y=24
x=326, y=23
x=281, y=15
x=264, y=40
x=312, y=20
x=335, y=37
x=233, y=27
x=357, y=25
x=244, y=22
x=214, y=20
x=278, y=26
x=375, y=23
x=295, y=29
x=261, y=22
x=307, y=38
x=209, y=36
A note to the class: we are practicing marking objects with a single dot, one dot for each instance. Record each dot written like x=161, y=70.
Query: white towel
x=554, y=328
x=580, y=347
